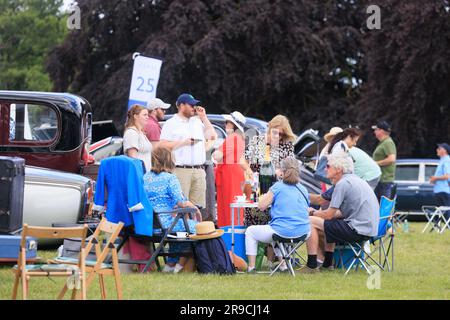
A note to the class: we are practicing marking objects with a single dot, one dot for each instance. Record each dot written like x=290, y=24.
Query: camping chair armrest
x=180, y=214
x=179, y=210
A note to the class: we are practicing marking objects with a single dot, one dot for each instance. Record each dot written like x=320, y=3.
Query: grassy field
x=422, y=271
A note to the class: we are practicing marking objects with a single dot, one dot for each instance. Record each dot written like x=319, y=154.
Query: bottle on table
x=255, y=187
x=267, y=174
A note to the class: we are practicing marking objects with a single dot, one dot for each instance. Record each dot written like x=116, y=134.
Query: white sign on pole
x=144, y=80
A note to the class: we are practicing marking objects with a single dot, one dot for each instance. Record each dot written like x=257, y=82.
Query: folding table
x=236, y=207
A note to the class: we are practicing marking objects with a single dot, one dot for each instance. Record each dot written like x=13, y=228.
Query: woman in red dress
x=230, y=168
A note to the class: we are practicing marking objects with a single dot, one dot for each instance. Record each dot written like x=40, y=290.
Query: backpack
x=212, y=257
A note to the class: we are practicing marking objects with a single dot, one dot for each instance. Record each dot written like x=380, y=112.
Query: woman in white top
x=135, y=142
x=344, y=140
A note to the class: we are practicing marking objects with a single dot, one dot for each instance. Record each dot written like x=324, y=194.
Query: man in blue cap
x=385, y=155
x=185, y=134
x=441, y=178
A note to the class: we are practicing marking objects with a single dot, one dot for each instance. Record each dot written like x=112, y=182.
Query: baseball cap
x=382, y=125
x=187, y=98
x=156, y=103
x=445, y=146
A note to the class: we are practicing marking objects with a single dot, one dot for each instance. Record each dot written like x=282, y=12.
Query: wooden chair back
x=48, y=233
x=52, y=233
x=105, y=229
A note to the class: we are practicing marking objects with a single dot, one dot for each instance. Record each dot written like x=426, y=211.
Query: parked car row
x=53, y=132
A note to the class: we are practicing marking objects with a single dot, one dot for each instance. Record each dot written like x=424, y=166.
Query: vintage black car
x=47, y=129
x=52, y=132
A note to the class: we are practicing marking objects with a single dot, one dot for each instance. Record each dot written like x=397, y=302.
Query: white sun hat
x=237, y=118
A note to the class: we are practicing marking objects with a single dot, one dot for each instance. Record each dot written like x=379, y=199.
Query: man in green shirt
x=385, y=155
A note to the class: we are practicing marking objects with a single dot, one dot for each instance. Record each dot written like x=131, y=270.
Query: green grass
x=422, y=271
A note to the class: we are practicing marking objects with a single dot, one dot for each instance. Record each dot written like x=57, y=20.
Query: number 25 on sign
x=147, y=86
x=144, y=80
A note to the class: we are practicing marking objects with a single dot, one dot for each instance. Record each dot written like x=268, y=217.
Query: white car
x=54, y=197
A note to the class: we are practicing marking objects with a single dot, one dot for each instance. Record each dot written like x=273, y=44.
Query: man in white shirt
x=185, y=134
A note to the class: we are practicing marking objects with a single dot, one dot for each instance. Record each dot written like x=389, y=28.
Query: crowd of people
x=184, y=169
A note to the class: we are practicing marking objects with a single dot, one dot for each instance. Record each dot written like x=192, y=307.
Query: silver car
x=54, y=197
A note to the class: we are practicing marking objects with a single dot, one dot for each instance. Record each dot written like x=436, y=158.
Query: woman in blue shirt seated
x=164, y=193
x=289, y=212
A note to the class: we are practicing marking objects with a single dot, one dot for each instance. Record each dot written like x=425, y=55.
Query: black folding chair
x=288, y=248
x=161, y=237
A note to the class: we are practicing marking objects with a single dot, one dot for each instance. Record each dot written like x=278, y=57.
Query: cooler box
x=344, y=256
x=239, y=240
x=9, y=247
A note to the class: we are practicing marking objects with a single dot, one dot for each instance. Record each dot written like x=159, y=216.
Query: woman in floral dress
x=280, y=141
x=164, y=193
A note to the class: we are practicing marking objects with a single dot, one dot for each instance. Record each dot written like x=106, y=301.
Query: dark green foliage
x=408, y=70
x=314, y=61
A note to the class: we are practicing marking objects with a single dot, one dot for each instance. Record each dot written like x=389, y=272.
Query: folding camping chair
x=161, y=236
x=75, y=273
x=362, y=257
x=105, y=235
x=288, y=248
x=436, y=216
x=385, y=234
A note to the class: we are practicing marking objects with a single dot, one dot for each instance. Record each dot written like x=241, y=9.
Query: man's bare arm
x=328, y=214
x=390, y=159
x=173, y=145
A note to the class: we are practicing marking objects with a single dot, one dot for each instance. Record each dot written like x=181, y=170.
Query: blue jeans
x=385, y=189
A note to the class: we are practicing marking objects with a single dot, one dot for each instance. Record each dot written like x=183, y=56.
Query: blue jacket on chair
x=122, y=178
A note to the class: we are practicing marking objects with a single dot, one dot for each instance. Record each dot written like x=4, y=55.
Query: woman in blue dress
x=164, y=193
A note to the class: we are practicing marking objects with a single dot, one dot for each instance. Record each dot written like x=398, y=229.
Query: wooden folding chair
x=106, y=263
x=77, y=271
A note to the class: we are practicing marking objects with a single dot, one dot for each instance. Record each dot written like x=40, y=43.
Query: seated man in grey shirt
x=353, y=214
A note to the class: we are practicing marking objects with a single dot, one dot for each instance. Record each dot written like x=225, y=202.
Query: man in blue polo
x=441, y=178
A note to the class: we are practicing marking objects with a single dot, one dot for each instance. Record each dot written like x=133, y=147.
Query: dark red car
x=51, y=130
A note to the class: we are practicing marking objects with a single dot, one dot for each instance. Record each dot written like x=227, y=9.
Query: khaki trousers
x=193, y=184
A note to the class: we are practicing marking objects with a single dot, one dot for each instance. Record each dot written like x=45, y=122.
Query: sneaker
x=168, y=268
x=308, y=270
x=283, y=270
x=178, y=267
x=329, y=268
x=319, y=263
x=251, y=271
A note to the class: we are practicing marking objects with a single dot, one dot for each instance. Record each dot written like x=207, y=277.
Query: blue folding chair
x=385, y=234
x=362, y=257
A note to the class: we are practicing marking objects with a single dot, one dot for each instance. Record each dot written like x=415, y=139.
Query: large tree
x=306, y=59
x=28, y=29
x=408, y=69
x=260, y=57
